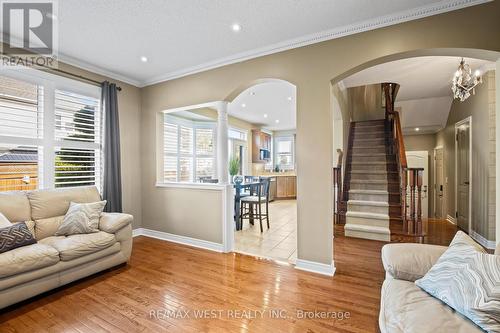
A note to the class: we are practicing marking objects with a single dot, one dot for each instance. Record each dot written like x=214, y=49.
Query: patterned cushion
x=468, y=280
x=15, y=236
x=81, y=218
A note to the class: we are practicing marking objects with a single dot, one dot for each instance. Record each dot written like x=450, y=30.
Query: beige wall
x=424, y=142
x=481, y=108
x=365, y=102
x=311, y=69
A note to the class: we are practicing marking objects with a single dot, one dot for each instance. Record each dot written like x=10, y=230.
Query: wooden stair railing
x=337, y=188
x=410, y=178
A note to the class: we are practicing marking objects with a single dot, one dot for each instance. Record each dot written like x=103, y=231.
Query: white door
x=462, y=156
x=439, y=184
x=420, y=159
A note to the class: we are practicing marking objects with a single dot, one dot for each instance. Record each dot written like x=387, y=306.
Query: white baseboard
x=199, y=243
x=451, y=219
x=489, y=244
x=137, y=232
x=315, y=267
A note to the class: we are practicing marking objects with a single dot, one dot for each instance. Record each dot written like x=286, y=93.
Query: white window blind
x=285, y=152
x=189, y=150
x=76, y=117
x=50, y=132
x=76, y=167
x=20, y=108
x=78, y=120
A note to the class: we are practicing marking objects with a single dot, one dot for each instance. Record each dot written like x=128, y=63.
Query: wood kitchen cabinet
x=260, y=141
x=286, y=187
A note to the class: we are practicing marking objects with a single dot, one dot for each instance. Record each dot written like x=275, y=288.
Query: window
x=50, y=132
x=284, y=147
x=189, y=149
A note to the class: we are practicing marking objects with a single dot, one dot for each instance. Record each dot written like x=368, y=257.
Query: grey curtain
x=112, y=189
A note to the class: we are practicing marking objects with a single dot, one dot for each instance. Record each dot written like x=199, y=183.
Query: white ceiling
x=271, y=99
x=181, y=37
x=425, y=88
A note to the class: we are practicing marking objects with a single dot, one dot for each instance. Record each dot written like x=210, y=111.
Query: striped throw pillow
x=467, y=279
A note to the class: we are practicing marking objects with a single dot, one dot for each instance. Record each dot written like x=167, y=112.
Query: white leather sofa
x=57, y=260
x=404, y=307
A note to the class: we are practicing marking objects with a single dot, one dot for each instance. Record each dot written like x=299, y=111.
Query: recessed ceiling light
x=144, y=59
x=289, y=98
x=252, y=93
x=277, y=121
x=243, y=105
x=236, y=27
x=265, y=115
x=417, y=129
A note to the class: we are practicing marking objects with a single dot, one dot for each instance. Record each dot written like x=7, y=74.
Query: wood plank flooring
x=163, y=276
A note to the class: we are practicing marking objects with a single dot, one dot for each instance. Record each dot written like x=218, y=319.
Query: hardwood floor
x=163, y=276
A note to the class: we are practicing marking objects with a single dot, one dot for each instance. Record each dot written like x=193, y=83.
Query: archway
x=457, y=53
x=262, y=139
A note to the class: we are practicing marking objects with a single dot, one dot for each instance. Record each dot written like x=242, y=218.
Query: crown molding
x=372, y=24
x=97, y=70
x=379, y=22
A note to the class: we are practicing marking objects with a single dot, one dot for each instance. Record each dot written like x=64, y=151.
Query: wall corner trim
x=489, y=244
x=194, y=242
x=315, y=267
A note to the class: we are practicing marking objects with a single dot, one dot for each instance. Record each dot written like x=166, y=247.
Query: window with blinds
x=20, y=108
x=189, y=150
x=76, y=167
x=28, y=158
x=285, y=152
x=76, y=117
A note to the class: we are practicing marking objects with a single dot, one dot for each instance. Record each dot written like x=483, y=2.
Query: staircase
x=373, y=182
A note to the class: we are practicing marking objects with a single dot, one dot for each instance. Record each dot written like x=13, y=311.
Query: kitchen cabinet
x=261, y=145
x=286, y=187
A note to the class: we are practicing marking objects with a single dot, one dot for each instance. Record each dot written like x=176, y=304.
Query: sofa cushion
x=17, y=235
x=410, y=262
x=15, y=206
x=27, y=258
x=47, y=227
x=112, y=222
x=81, y=218
x=75, y=246
x=405, y=308
x=51, y=203
x=467, y=279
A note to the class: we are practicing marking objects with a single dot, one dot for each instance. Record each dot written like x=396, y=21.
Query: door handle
x=467, y=183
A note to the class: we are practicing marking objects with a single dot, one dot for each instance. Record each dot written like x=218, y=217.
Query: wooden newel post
x=418, y=225
x=412, y=194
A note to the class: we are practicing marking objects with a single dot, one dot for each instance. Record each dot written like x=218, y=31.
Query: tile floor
x=279, y=241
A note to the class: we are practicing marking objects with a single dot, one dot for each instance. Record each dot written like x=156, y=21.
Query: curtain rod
x=64, y=73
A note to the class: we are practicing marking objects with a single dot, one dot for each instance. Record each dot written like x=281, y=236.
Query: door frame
x=457, y=125
x=434, y=183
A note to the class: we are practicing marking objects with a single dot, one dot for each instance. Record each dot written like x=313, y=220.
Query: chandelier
x=464, y=82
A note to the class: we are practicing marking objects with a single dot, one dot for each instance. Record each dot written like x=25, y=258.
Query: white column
x=222, y=143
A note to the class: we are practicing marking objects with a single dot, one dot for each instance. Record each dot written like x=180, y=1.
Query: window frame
x=47, y=143
x=194, y=125
x=277, y=153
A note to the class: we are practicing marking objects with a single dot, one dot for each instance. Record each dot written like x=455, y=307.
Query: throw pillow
x=81, y=218
x=468, y=280
x=4, y=222
x=15, y=236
